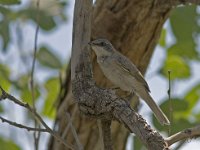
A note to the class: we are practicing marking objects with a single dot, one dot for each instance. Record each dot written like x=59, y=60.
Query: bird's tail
x=162, y=118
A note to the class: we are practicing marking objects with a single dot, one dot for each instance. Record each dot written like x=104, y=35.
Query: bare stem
x=5, y=95
x=22, y=126
x=35, y=134
x=170, y=103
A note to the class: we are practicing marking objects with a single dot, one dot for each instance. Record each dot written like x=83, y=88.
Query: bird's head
x=102, y=47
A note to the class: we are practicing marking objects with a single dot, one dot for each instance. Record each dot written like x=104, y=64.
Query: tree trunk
x=133, y=27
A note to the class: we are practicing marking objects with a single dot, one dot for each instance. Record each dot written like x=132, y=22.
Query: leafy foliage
x=178, y=66
x=179, y=55
x=4, y=76
x=52, y=87
x=48, y=59
x=49, y=16
x=8, y=145
x=9, y=2
x=42, y=17
x=185, y=28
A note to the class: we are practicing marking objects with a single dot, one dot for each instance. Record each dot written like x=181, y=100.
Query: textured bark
x=134, y=28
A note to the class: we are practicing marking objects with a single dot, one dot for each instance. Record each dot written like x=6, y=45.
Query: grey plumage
x=124, y=74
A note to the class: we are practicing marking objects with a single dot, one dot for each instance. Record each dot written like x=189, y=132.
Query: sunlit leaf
x=52, y=86
x=22, y=82
x=178, y=67
x=8, y=145
x=26, y=95
x=9, y=2
x=48, y=59
x=162, y=40
x=197, y=116
x=4, y=77
x=184, y=49
x=193, y=96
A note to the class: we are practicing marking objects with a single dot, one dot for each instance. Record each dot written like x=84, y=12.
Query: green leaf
x=162, y=40
x=26, y=95
x=48, y=59
x=184, y=49
x=22, y=82
x=184, y=22
x=9, y=2
x=40, y=17
x=4, y=32
x=185, y=28
x=4, y=77
x=1, y=107
x=179, y=106
x=193, y=97
x=8, y=145
x=137, y=143
x=178, y=67
x=52, y=87
x=180, y=124
x=7, y=15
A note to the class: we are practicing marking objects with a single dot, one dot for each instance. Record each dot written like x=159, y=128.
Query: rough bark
x=134, y=28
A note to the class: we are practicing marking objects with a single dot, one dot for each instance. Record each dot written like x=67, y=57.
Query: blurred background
x=178, y=50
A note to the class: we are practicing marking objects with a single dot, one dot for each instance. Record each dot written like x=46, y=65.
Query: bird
x=124, y=74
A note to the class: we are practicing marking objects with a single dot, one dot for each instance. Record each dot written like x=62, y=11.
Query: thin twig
x=170, y=103
x=34, y=59
x=35, y=134
x=5, y=95
x=22, y=126
x=183, y=135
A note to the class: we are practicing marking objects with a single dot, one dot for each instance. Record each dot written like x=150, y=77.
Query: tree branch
x=102, y=103
x=5, y=95
x=183, y=135
x=106, y=130
x=22, y=126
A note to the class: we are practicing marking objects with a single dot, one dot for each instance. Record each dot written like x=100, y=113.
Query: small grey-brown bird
x=124, y=74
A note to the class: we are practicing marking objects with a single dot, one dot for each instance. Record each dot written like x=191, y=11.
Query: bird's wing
x=130, y=68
